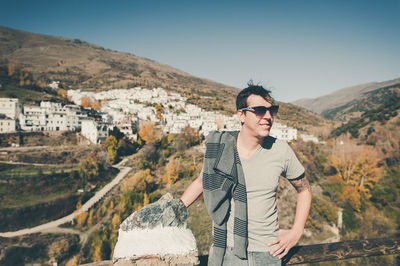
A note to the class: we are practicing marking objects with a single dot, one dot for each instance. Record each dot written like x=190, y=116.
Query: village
x=125, y=109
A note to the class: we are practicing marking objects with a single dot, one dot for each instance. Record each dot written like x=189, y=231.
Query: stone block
x=157, y=235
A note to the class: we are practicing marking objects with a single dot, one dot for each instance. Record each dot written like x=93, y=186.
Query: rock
x=157, y=235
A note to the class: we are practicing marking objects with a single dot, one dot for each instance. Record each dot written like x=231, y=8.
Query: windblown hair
x=241, y=98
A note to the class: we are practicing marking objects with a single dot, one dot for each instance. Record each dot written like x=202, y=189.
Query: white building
x=54, y=85
x=51, y=116
x=129, y=127
x=283, y=132
x=94, y=131
x=7, y=125
x=176, y=114
x=74, y=117
x=11, y=107
x=307, y=138
x=33, y=119
x=56, y=116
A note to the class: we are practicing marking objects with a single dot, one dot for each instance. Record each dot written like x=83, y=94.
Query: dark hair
x=241, y=98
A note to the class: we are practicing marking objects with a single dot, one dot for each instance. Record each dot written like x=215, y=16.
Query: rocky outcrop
x=157, y=235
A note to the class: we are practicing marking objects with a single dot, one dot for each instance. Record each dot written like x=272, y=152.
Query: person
x=239, y=180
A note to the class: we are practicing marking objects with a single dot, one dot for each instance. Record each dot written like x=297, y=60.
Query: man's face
x=259, y=126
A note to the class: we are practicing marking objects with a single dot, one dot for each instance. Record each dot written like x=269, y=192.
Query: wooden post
x=342, y=250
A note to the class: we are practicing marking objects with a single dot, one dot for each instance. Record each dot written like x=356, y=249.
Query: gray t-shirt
x=262, y=171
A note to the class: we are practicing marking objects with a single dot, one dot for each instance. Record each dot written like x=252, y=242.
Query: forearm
x=192, y=192
x=288, y=238
x=302, y=209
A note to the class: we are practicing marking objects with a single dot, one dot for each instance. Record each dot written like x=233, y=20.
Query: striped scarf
x=223, y=178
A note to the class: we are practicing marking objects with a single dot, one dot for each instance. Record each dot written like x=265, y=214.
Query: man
x=240, y=178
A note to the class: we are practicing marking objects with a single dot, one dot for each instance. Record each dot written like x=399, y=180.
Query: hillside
x=375, y=108
x=342, y=97
x=374, y=119
x=81, y=65
x=21, y=85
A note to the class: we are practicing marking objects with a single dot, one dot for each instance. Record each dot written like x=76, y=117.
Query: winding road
x=98, y=196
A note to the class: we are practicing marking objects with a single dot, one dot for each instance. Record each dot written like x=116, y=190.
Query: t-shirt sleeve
x=293, y=168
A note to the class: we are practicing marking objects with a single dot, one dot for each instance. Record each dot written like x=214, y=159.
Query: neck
x=248, y=141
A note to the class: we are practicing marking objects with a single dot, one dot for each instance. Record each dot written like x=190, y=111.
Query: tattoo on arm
x=300, y=183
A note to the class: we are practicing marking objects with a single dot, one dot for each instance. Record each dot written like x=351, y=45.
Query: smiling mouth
x=265, y=125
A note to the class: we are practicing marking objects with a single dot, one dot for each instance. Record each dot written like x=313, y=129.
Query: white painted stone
x=157, y=235
x=160, y=241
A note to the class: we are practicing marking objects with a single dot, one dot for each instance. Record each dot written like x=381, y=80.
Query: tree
x=142, y=181
x=89, y=168
x=81, y=219
x=13, y=67
x=116, y=132
x=62, y=93
x=85, y=101
x=146, y=199
x=115, y=222
x=111, y=145
x=172, y=173
x=148, y=133
x=357, y=168
x=58, y=249
x=97, y=254
x=95, y=105
x=187, y=138
x=78, y=205
x=90, y=218
x=159, y=110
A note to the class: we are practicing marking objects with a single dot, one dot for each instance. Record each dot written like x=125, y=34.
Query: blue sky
x=298, y=48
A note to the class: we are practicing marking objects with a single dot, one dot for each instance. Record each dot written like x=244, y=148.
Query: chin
x=264, y=133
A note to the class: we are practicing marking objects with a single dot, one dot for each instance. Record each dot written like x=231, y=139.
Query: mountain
x=341, y=97
x=377, y=108
x=80, y=65
x=77, y=64
x=374, y=119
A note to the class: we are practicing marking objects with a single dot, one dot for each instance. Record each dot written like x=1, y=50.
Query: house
x=50, y=116
x=33, y=119
x=307, y=138
x=283, y=132
x=10, y=107
x=7, y=124
x=94, y=131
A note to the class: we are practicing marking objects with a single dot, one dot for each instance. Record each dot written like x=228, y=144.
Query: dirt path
x=28, y=148
x=53, y=224
x=34, y=164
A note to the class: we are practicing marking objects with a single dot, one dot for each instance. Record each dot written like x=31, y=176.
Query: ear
x=241, y=115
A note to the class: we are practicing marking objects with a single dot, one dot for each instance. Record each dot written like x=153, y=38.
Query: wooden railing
x=342, y=250
x=338, y=251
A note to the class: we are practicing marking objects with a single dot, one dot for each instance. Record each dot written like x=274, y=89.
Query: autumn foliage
x=62, y=93
x=141, y=181
x=149, y=133
x=172, y=172
x=87, y=102
x=358, y=170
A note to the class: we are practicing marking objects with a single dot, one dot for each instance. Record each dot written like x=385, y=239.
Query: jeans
x=254, y=258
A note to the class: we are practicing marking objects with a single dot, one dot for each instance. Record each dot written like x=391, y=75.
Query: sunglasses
x=261, y=110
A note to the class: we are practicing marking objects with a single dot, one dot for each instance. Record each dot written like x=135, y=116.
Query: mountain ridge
x=341, y=97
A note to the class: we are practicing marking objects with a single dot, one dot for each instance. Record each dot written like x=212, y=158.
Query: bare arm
x=304, y=197
x=192, y=192
x=288, y=238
